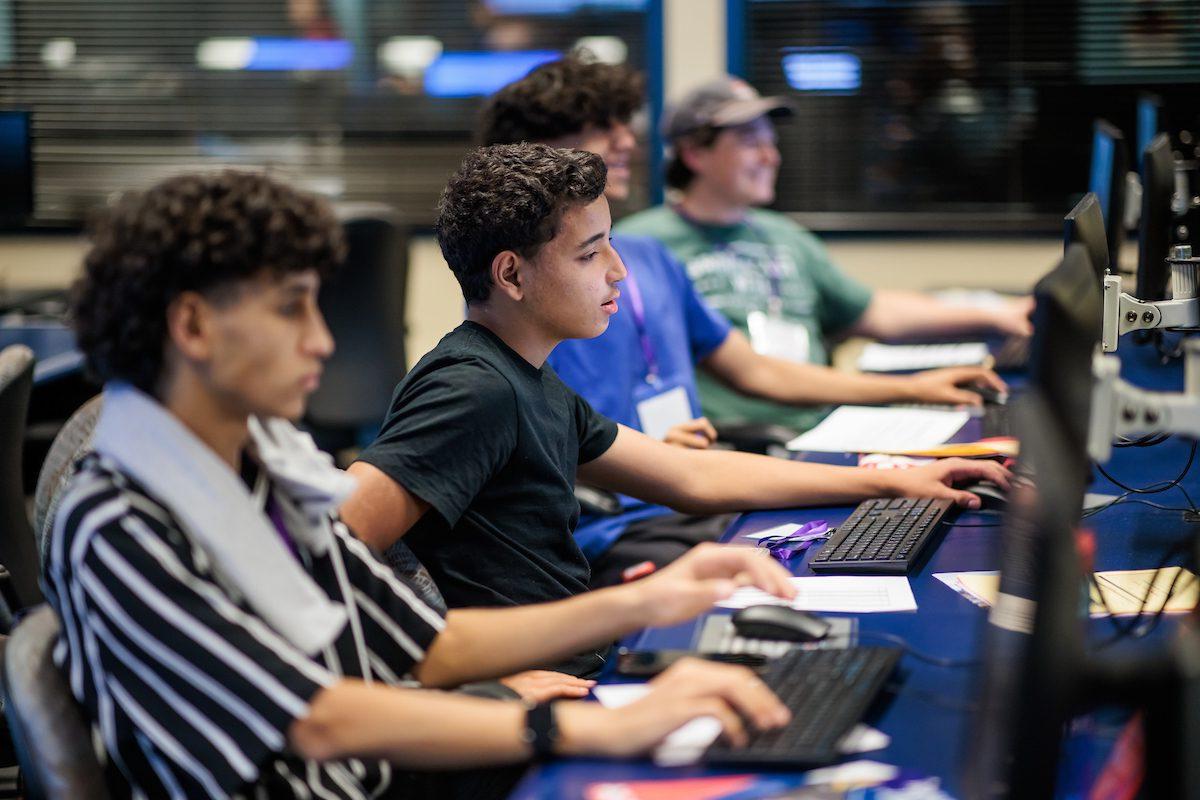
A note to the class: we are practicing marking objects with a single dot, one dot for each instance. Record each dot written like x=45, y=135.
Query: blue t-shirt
x=607, y=371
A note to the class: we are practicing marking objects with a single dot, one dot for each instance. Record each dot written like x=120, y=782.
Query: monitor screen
x=1100, y=179
x=1110, y=163
x=16, y=166
x=467, y=74
x=822, y=70
x=1069, y=306
x=1033, y=643
x=1084, y=224
x=1157, y=219
x=1147, y=120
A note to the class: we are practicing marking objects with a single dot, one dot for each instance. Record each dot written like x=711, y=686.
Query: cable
x=1137, y=627
x=1155, y=488
x=1149, y=440
x=900, y=689
x=903, y=644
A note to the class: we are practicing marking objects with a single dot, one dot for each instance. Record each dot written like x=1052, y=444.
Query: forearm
x=489, y=642
x=793, y=383
x=724, y=481
x=910, y=315
x=426, y=729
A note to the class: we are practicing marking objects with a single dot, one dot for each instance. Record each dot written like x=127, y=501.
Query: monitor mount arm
x=1124, y=313
x=1121, y=409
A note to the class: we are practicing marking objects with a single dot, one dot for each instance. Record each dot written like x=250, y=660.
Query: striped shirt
x=188, y=692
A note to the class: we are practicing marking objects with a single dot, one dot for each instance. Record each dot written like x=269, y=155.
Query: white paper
x=664, y=411
x=877, y=357
x=688, y=743
x=856, y=773
x=786, y=529
x=866, y=429
x=849, y=594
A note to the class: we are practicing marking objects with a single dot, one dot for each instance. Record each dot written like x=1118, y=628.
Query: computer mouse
x=991, y=496
x=780, y=623
x=989, y=395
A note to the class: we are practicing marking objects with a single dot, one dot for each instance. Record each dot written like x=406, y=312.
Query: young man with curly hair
x=224, y=632
x=641, y=372
x=772, y=278
x=478, y=456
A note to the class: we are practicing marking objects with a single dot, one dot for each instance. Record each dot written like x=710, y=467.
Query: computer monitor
x=1148, y=106
x=1084, y=225
x=1067, y=315
x=16, y=167
x=1034, y=641
x=1110, y=162
x=1154, y=229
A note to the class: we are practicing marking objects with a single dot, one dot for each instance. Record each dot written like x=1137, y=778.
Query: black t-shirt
x=493, y=444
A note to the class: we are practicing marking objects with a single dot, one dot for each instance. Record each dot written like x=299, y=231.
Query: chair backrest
x=51, y=735
x=71, y=443
x=364, y=306
x=18, y=550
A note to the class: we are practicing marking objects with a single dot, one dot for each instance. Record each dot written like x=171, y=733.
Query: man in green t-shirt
x=769, y=276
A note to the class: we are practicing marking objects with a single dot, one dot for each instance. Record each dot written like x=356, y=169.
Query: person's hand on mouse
x=939, y=479
x=705, y=575
x=945, y=386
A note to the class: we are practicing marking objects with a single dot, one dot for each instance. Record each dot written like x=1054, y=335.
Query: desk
x=929, y=718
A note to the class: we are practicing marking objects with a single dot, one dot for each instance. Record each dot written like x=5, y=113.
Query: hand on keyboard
x=938, y=479
x=691, y=688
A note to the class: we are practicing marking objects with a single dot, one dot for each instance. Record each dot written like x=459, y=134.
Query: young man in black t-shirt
x=476, y=461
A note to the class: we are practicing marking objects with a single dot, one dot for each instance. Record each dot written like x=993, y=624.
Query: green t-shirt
x=732, y=267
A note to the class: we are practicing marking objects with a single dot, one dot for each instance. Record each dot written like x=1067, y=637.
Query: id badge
x=774, y=336
x=661, y=408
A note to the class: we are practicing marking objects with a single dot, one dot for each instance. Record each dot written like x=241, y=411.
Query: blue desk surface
x=929, y=717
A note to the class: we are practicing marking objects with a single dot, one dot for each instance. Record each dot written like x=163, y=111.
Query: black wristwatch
x=541, y=731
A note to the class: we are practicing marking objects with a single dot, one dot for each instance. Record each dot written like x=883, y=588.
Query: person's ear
x=693, y=156
x=190, y=326
x=507, y=269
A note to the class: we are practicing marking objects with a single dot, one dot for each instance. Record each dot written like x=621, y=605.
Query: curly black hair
x=202, y=233
x=561, y=98
x=510, y=197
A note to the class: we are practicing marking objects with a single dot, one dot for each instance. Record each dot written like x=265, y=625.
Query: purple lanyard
x=276, y=517
x=638, y=309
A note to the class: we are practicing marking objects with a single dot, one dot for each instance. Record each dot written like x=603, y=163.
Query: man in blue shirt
x=640, y=372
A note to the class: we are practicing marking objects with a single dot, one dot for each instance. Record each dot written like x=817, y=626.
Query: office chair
x=364, y=306
x=74, y=440
x=756, y=437
x=18, y=549
x=52, y=739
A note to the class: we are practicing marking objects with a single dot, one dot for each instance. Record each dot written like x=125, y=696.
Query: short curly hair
x=510, y=197
x=562, y=98
x=202, y=233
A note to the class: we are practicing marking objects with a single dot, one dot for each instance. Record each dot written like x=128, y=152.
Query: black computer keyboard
x=828, y=692
x=885, y=535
